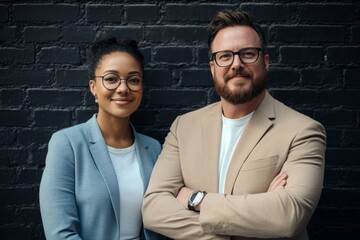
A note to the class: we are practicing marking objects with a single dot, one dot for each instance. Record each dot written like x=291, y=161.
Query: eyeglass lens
x=112, y=81
x=247, y=55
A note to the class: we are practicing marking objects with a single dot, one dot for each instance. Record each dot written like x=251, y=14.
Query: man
x=215, y=176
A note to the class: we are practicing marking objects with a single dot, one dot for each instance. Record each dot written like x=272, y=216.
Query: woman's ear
x=92, y=86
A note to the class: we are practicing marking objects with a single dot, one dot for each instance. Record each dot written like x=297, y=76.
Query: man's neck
x=235, y=111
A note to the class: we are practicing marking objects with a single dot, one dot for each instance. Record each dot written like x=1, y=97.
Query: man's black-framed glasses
x=112, y=81
x=226, y=58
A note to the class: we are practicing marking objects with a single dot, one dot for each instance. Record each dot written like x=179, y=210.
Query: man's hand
x=279, y=182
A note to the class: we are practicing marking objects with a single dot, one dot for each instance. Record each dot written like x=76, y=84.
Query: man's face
x=239, y=83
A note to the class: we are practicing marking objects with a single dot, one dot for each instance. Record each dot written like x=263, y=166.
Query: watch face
x=196, y=198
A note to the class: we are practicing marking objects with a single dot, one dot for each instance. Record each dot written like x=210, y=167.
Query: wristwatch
x=195, y=199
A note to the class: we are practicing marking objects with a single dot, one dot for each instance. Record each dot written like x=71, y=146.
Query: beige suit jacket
x=276, y=139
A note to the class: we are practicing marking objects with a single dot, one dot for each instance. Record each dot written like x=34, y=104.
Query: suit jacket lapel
x=211, y=132
x=102, y=160
x=256, y=128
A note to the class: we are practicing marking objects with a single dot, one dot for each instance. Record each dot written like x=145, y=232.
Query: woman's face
x=120, y=102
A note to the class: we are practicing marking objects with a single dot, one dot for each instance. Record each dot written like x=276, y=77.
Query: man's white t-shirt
x=232, y=130
x=131, y=190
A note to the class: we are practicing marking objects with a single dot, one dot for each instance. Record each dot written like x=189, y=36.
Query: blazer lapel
x=102, y=160
x=256, y=128
x=145, y=161
x=211, y=132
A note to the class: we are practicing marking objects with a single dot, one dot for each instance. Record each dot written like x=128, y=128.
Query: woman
x=97, y=172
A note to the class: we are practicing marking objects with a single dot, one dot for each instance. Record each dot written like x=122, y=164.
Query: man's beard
x=241, y=95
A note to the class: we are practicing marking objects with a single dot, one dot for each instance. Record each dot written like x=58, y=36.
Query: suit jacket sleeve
x=281, y=213
x=162, y=212
x=57, y=191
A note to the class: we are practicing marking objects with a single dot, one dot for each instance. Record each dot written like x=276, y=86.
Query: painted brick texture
x=314, y=49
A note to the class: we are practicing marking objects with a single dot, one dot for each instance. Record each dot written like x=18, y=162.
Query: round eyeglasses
x=226, y=58
x=112, y=81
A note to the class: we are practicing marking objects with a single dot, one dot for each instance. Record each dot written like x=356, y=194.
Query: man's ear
x=212, y=68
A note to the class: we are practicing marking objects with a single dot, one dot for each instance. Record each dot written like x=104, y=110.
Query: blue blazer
x=79, y=194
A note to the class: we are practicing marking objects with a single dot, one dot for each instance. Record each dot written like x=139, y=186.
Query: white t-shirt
x=232, y=130
x=131, y=191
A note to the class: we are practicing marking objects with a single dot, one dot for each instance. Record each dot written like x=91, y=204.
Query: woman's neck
x=116, y=131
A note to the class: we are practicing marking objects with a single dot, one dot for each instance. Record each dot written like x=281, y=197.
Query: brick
x=9, y=97
x=273, y=54
x=14, y=118
x=333, y=137
x=104, y=13
x=352, y=77
x=342, y=156
x=46, y=118
x=203, y=55
x=46, y=12
x=167, y=117
x=326, y=215
x=355, y=33
x=321, y=77
x=7, y=215
x=13, y=157
x=341, y=196
x=353, y=177
x=59, y=55
x=142, y=13
x=38, y=158
x=177, y=97
x=282, y=77
x=55, y=97
x=29, y=176
x=25, y=76
x=166, y=34
x=192, y=13
x=325, y=12
x=7, y=34
x=30, y=215
x=213, y=96
x=133, y=32
x=334, y=176
x=4, y=13
x=37, y=137
x=352, y=137
x=7, y=137
x=84, y=115
x=16, y=232
x=144, y=118
x=157, y=77
x=196, y=78
x=40, y=34
x=7, y=176
x=72, y=77
x=18, y=195
x=146, y=51
x=266, y=12
x=290, y=97
x=290, y=34
x=336, y=117
x=173, y=54
x=340, y=97
x=17, y=55
x=301, y=54
x=79, y=34
x=343, y=55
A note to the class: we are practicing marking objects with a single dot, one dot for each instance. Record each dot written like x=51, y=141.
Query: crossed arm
x=279, y=182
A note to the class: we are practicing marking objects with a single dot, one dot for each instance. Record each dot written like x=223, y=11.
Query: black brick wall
x=315, y=59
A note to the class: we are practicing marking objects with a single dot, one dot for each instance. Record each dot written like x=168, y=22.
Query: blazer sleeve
x=281, y=213
x=162, y=212
x=57, y=191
